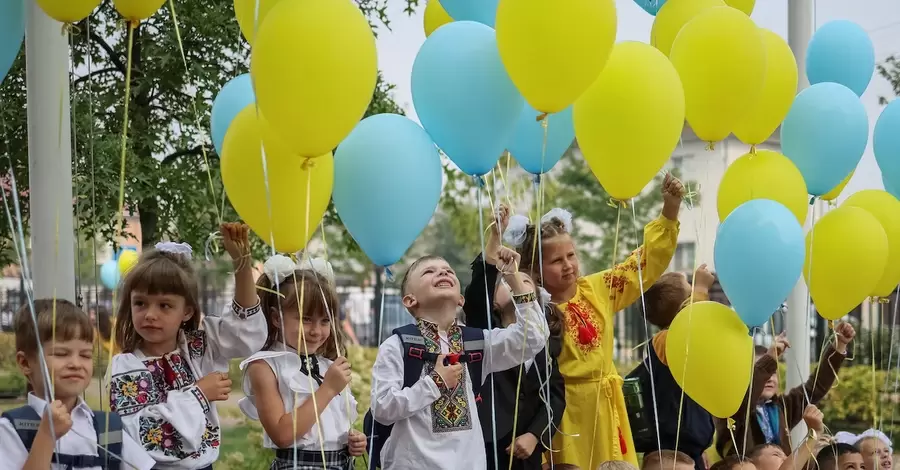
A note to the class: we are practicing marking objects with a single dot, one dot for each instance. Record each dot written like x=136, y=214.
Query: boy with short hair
x=667, y=459
x=435, y=420
x=840, y=457
x=63, y=434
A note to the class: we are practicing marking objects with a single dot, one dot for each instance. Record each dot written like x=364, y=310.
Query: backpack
x=414, y=359
x=26, y=422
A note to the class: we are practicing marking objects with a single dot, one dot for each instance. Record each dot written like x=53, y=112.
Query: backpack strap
x=473, y=345
x=109, y=439
x=414, y=354
x=26, y=422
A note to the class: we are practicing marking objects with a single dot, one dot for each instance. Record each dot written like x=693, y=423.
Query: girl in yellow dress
x=595, y=426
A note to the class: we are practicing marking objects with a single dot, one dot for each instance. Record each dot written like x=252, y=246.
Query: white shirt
x=160, y=406
x=80, y=440
x=334, y=421
x=417, y=440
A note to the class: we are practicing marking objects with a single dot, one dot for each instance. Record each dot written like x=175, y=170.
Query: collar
x=428, y=325
x=39, y=404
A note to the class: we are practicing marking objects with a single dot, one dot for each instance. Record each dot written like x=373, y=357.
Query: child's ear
x=276, y=318
x=462, y=300
x=188, y=314
x=23, y=363
x=409, y=301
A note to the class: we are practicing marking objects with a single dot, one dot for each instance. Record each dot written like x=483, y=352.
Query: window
x=684, y=257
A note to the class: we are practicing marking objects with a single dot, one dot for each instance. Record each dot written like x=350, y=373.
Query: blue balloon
x=889, y=187
x=109, y=274
x=236, y=95
x=825, y=135
x=886, y=143
x=841, y=52
x=463, y=96
x=481, y=11
x=387, y=185
x=527, y=143
x=12, y=33
x=759, y=254
x=651, y=6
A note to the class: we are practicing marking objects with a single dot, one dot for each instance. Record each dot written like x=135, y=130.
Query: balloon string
x=490, y=358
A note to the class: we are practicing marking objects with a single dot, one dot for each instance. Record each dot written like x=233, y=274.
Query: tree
x=173, y=184
x=890, y=71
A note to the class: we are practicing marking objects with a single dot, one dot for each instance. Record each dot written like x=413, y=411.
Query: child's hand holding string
x=814, y=419
x=672, y=193
x=495, y=235
x=236, y=238
x=844, y=333
x=780, y=345
x=356, y=443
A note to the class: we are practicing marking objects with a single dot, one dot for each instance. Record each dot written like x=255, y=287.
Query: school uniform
x=534, y=414
x=158, y=399
x=299, y=377
x=80, y=441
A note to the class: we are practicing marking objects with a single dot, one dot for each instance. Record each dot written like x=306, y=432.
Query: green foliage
x=890, y=71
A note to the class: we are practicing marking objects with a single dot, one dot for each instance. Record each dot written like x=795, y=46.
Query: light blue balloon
x=825, y=135
x=387, y=185
x=12, y=33
x=463, y=96
x=886, y=143
x=759, y=254
x=236, y=95
x=651, y=6
x=109, y=274
x=841, y=52
x=480, y=11
x=527, y=143
x=889, y=187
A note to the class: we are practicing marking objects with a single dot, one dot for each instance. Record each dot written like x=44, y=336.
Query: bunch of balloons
x=73, y=11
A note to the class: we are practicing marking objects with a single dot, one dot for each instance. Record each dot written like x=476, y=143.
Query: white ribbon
x=279, y=267
x=182, y=249
x=518, y=224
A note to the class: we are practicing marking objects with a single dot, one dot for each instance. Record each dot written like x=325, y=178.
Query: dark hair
x=663, y=458
x=827, y=458
x=57, y=320
x=318, y=297
x=757, y=451
x=104, y=325
x=157, y=272
x=529, y=251
x=412, y=267
x=665, y=298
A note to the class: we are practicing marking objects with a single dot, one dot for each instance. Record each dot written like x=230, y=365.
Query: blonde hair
x=665, y=458
x=616, y=465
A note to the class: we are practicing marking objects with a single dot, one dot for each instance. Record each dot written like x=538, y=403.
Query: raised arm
x=480, y=294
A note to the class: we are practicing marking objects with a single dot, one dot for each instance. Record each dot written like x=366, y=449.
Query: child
x=435, y=425
x=876, y=450
x=533, y=427
x=28, y=440
x=300, y=377
x=772, y=416
x=734, y=462
x=666, y=460
x=170, y=371
x=594, y=430
x=668, y=296
x=772, y=457
x=840, y=457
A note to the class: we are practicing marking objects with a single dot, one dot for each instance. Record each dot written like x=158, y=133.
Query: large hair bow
x=279, y=267
x=518, y=225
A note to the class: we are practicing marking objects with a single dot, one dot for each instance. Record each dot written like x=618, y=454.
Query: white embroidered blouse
x=297, y=382
x=436, y=427
x=162, y=408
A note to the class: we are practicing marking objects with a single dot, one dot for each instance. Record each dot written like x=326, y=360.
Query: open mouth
x=444, y=283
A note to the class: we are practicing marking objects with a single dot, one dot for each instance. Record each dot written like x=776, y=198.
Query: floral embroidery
x=196, y=343
x=132, y=391
x=450, y=412
x=582, y=325
x=170, y=372
x=160, y=436
x=616, y=279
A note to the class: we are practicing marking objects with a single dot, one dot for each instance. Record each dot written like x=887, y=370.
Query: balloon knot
x=812, y=200
x=541, y=118
x=308, y=163
x=831, y=324
x=731, y=424
x=479, y=181
x=536, y=179
x=616, y=203
x=134, y=23
x=753, y=149
x=710, y=146
x=70, y=28
x=884, y=300
x=388, y=274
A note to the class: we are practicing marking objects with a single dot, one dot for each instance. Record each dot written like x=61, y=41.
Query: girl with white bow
x=297, y=385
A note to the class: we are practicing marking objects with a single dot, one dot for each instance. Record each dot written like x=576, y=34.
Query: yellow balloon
x=767, y=112
x=68, y=11
x=245, y=12
x=846, y=260
x=722, y=61
x=314, y=67
x=836, y=191
x=745, y=6
x=672, y=16
x=554, y=50
x=127, y=260
x=765, y=175
x=137, y=10
x=630, y=120
x=242, y=173
x=708, y=339
x=885, y=208
x=435, y=16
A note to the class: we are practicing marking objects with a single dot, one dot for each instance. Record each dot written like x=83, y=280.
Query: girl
x=300, y=380
x=595, y=425
x=534, y=429
x=171, y=371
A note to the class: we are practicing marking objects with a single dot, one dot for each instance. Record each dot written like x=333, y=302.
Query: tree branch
x=198, y=150
x=94, y=74
x=113, y=57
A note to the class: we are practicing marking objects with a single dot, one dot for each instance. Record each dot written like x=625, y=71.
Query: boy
x=435, y=421
x=666, y=460
x=840, y=457
x=665, y=298
x=64, y=434
x=772, y=457
x=772, y=416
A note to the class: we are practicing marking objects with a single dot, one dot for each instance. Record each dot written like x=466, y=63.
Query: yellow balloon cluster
x=314, y=68
x=68, y=11
x=127, y=261
x=708, y=339
x=630, y=120
x=886, y=209
x=745, y=6
x=290, y=179
x=137, y=10
x=764, y=175
x=246, y=14
x=846, y=253
x=554, y=50
x=673, y=15
x=435, y=17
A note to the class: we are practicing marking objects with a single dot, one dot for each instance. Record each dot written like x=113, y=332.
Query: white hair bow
x=279, y=267
x=182, y=249
x=515, y=229
x=869, y=433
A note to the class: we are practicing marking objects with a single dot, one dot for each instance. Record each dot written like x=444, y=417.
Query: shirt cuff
x=198, y=394
x=667, y=224
x=242, y=312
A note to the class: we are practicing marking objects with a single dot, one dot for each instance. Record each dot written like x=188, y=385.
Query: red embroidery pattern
x=617, y=278
x=582, y=327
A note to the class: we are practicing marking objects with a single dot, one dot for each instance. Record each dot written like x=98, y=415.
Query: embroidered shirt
x=80, y=440
x=436, y=427
x=160, y=405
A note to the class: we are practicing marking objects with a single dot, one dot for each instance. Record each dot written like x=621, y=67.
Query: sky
x=881, y=18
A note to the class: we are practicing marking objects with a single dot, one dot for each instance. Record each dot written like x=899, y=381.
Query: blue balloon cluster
x=651, y=6
x=109, y=274
x=12, y=33
x=841, y=52
x=537, y=150
x=236, y=95
x=759, y=255
x=886, y=146
x=480, y=11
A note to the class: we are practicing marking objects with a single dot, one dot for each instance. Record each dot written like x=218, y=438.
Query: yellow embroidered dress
x=595, y=426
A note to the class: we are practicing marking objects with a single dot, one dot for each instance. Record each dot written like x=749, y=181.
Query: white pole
x=49, y=157
x=800, y=31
